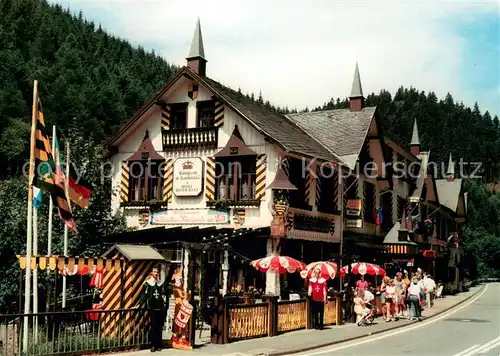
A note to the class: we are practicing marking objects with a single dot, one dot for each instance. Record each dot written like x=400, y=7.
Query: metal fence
x=74, y=332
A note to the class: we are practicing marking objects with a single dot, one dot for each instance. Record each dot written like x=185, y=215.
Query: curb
x=296, y=351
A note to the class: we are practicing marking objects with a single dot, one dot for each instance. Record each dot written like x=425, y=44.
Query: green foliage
x=481, y=238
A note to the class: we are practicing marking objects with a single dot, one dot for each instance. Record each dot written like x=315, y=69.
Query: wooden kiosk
x=122, y=289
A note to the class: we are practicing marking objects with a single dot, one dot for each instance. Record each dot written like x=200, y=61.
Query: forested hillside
x=90, y=83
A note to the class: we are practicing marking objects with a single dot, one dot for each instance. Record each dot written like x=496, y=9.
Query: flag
x=60, y=196
x=37, y=197
x=46, y=177
x=379, y=218
x=79, y=190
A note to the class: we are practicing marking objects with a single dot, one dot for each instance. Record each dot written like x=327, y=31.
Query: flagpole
x=49, y=236
x=29, y=221
x=65, y=225
x=35, y=275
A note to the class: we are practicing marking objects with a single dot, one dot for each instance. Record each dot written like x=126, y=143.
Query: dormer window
x=143, y=171
x=206, y=113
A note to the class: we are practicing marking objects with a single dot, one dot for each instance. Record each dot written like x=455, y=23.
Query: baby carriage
x=369, y=316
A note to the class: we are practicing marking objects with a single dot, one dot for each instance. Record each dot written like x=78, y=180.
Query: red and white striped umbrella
x=327, y=269
x=280, y=264
x=363, y=268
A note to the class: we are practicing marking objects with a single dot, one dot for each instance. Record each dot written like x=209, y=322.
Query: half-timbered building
x=201, y=163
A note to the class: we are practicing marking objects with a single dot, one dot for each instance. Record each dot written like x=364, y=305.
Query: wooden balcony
x=199, y=137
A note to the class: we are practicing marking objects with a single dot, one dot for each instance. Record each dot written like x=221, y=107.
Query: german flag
x=79, y=190
x=48, y=173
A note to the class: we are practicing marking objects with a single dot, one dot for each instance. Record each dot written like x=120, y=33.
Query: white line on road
x=467, y=350
x=484, y=349
x=402, y=330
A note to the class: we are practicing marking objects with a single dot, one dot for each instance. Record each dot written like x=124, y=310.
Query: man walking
x=429, y=288
x=155, y=296
x=318, y=293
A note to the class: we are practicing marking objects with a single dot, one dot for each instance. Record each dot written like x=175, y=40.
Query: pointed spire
x=415, y=140
x=197, y=49
x=356, y=90
x=451, y=169
x=196, y=59
x=356, y=100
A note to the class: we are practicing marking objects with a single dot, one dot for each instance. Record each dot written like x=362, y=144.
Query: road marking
x=467, y=350
x=402, y=330
x=490, y=345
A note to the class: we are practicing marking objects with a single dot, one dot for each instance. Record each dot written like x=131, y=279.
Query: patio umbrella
x=363, y=268
x=280, y=264
x=327, y=269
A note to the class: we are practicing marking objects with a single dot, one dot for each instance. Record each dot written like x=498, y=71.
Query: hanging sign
x=353, y=207
x=189, y=216
x=188, y=177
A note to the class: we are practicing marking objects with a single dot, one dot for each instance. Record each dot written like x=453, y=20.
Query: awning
x=398, y=236
x=136, y=252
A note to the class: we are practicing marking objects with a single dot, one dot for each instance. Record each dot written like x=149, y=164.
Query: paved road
x=469, y=330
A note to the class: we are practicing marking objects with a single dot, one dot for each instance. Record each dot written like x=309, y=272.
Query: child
x=390, y=298
x=359, y=305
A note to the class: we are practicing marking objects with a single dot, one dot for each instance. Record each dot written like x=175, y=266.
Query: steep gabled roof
x=342, y=131
x=273, y=125
x=449, y=192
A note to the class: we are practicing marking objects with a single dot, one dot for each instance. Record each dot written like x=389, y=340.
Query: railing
x=77, y=332
x=199, y=137
x=292, y=315
x=231, y=322
x=248, y=321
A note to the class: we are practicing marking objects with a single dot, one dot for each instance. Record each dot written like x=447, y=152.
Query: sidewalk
x=304, y=340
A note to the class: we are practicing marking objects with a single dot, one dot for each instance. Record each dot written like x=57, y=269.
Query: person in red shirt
x=318, y=293
x=362, y=283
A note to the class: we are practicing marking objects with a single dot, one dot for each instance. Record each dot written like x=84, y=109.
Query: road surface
x=471, y=329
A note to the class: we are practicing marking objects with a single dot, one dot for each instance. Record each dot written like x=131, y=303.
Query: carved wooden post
x=309, y=314
x=218, y=322
x=227, y=320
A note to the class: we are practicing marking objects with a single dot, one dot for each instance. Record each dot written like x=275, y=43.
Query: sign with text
x=188, y=177
x=353, y=207
x=190, y=216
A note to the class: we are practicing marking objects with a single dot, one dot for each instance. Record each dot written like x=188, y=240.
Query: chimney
x=196, y=59
x=415, y=140
x=450, y=173
x=356, y=100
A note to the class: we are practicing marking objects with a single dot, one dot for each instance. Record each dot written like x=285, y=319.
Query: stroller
x=368, y=318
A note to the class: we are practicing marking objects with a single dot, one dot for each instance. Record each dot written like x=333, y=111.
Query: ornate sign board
x=188, y=177
x=190, y=216
x=353, y=223
x=306, y=225
x=353, y=207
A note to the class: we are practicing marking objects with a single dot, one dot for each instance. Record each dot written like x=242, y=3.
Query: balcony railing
x=199, y=137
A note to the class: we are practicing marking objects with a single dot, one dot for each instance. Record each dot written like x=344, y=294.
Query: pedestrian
x=362, y=283
x=429, y=288
x=414, y=292
x=154, y=295
x=400, y=286
x=390, y=299
x=359, y=304
x=318, y=292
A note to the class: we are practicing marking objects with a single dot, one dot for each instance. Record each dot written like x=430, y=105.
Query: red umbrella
x=327, y=269
x=363, y=268
x=280, y=264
